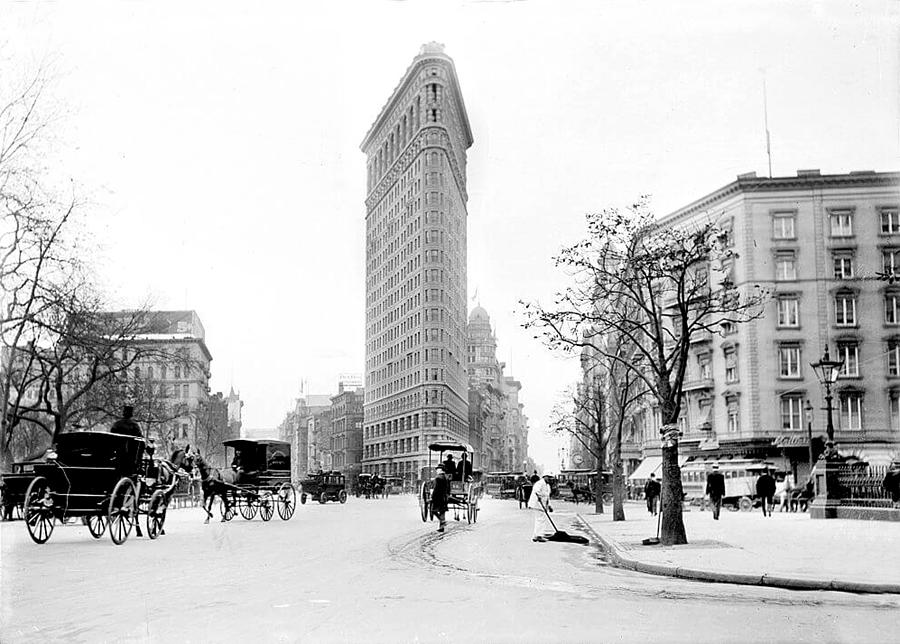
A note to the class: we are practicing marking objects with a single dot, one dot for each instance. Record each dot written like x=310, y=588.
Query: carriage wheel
x=342, y=497
x=286, y=501
x=228, y=514
x=247, y=507
x=39, y=510
x=322, y=497
x=122, y=506
x=156, y=514
x=424, y=502
x=265, y=507
x=96, y=524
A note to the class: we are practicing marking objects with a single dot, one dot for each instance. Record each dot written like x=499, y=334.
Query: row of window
x=790, y=363
x=842, y=263
x=840, y=222
x=845, y=309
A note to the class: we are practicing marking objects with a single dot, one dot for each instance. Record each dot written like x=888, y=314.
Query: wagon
x=102, y=479
x=324, y=486
x=262, y=479
x=465, y=495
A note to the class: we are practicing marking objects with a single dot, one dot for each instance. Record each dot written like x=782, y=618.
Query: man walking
x=440, y=493
x=651, y=491
x=765, y=491
x=540, y=499
x=715, y=488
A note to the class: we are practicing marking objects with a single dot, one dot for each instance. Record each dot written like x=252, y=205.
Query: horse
x=161, y=474
x=213, y=483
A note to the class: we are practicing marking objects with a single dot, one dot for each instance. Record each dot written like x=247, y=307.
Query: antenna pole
x=766, y=119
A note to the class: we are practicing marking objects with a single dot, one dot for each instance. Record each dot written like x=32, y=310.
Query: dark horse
x=162, y=475
x=213, y=484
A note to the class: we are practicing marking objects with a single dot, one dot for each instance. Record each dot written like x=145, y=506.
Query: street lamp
x=827, y=371
x=809, y=410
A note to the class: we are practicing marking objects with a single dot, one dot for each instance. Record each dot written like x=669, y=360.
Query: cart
x=464, y=494
x=262, y=479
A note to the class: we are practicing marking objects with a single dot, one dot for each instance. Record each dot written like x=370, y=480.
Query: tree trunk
x=618, y=491
x=672, y=531
x=598, y=492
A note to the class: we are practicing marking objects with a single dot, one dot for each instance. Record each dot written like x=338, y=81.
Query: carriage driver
x=126, y=425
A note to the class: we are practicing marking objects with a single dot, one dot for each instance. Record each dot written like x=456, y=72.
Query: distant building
x=415, y=381
x=497, y=423
x=295, y=429
x=346, y=429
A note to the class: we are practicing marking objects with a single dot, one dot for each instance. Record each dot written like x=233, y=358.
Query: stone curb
x=619, y=560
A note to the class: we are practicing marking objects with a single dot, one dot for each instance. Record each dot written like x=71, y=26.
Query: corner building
x=415, y=377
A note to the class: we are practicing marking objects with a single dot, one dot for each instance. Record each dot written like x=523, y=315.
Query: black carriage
x=261, y=479
x=370, y=485
x=13, y=485
x=324, y=486
x=465, y=491
x=104, y=479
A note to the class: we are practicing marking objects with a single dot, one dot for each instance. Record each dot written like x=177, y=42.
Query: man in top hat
x=126, y=425
x=440, y=494
x=715, y=488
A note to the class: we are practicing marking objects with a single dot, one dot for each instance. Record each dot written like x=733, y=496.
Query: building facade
x=828, y=249
x=346, y=429
x=416, y=219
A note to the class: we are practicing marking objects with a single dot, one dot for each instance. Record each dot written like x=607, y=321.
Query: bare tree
x=655, y=288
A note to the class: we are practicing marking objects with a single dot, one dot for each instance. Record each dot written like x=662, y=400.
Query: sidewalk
x=788, y=550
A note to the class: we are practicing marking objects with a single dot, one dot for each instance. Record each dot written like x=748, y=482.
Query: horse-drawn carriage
x=259, y=480
x=502, y=485
x=13, y=486
x=369, y=485
x=104, y=479
x=324, y=486
x=579, y=485
x=465, y=492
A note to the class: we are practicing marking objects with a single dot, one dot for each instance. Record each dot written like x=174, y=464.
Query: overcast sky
x=218, y=145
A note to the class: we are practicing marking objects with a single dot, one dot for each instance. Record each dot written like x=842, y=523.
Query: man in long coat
x=765, y=490
x=440, y=493
x=715, y=488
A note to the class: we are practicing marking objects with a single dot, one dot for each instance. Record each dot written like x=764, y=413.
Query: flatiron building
x=415, y=376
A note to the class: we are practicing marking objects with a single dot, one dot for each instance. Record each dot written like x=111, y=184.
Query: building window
x=890, y=221
x=895, y=411
x=841, y=223
x=789, y=361
x=703, y=366
x=785, y=267
x=843, y=266
x=890, y=261
x=894, y=358
x=845, y=309
x=731, y=365
x=851, y=411
x=849, y=353
x=892, y=308
x=791, y=412
x=734, y=416
x=783, y=225
x=788, y=312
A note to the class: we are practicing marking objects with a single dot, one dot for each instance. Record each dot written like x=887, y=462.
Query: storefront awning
x=650, y=465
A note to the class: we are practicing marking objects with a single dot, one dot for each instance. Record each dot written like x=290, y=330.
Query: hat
x=449, y=457
x=439, y=467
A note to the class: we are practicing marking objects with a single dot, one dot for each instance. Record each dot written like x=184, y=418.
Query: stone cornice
x=778, y=184
x=408, y=78
x=413, y=149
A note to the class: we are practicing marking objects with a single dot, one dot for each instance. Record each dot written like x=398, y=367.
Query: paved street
x=370, y=570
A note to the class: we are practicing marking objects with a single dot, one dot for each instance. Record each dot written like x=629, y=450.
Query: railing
x=862, y=486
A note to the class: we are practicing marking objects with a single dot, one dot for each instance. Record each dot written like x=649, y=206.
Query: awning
x=650, y=465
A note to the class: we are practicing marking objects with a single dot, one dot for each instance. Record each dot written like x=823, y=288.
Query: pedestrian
x=786, y=492
x=891, y=483
x=440, y=493
x=765, y=491
x=126, y=425
x=715, y=488
x=651, y=491
x=539, y=503
x=535, y=478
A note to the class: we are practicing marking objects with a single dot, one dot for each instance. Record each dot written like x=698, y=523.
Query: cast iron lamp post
x=809, y=410
x=827, y=371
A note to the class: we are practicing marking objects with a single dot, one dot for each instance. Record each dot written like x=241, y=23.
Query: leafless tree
x=655, y=288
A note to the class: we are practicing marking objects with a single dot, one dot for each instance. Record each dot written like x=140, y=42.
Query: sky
x=217, y=148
